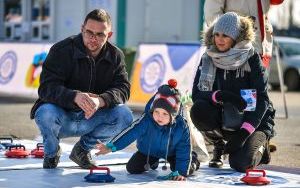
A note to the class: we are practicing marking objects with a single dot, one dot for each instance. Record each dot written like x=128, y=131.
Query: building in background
x=46, y=21
x=163, y=21
x=134, y=21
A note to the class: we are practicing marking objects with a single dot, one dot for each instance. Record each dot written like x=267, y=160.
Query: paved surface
x=14, y=120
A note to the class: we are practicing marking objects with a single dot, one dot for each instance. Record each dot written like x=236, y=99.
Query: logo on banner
x=152, y=74
x=35, y=69
x=8, y=67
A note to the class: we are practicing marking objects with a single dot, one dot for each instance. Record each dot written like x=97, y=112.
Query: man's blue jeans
x=54, y=123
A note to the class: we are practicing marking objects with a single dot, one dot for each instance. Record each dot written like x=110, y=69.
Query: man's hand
x=96, y=102
x=84, y=101
x=89, y=103
x=101, y=100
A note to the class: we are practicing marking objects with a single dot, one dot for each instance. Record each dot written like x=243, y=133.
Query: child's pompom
x=172, y=83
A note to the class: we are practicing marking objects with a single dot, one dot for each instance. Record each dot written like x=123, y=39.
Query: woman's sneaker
x=216, y=161
x=266, y=155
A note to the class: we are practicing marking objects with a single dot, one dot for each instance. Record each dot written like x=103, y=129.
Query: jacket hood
x=246, y=32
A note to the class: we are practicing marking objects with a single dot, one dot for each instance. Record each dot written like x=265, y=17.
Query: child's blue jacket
x=148, y=133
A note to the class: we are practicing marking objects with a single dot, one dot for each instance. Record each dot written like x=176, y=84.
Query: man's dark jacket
x=68, y=69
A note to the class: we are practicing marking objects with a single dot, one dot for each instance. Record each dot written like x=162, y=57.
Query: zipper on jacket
x=162, y=143
x=92, y=62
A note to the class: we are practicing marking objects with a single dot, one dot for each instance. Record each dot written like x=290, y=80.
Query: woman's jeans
x=54, y=123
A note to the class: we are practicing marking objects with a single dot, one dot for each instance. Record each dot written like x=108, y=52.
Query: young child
x=161, y=132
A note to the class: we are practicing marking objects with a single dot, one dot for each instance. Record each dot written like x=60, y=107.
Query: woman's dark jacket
x=68, y=69
x=262, y=117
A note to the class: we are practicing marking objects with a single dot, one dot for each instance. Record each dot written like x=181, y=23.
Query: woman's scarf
x=234, y=59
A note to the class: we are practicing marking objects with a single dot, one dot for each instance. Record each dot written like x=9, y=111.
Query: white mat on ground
x=28, y=172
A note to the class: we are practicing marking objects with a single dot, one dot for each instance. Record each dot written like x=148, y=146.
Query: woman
x=229, y=65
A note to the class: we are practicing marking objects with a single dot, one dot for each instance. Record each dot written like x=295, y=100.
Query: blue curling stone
x=2, y=147
x=7, y=145
x=99, y=178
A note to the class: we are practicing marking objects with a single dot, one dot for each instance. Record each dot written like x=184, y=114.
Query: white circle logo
x=152, y=74
x=8, y=67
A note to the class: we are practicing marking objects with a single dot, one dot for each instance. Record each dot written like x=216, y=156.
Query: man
x=83, y=88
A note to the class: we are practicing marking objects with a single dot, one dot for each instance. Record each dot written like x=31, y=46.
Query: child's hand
x=172, y=176
x=102, y=149
x=179, y=178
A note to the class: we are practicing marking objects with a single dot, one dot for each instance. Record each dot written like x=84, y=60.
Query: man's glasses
x=90, y=34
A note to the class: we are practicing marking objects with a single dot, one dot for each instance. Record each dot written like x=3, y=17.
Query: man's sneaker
x=216, y=161
x=82, y=157
x=52, y=162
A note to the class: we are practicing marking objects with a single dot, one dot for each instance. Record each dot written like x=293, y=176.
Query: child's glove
x=239, y=138
x=227, y=96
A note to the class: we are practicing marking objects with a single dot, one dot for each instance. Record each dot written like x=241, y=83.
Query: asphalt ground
x=14, y=120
